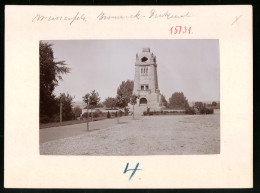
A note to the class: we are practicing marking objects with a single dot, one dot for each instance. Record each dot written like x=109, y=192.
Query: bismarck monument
x=146, y=82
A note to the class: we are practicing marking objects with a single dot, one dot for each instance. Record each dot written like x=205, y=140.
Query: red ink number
x=179, y=29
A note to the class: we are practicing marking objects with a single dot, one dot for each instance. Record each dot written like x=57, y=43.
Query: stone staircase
x=139, y=110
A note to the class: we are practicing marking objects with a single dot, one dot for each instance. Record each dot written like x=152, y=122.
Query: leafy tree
x=199, y=105
x=86, y=99
x=67, y=112
x=214, y=103
x=164, y=101
x=133, y=101
x=178, y=100
x=121, y=101
x=51, y=72
x=92, y=100
x=124, y=93
x=77, y=111
x=110, y=102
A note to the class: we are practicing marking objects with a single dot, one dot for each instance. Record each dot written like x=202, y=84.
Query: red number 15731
x=180, y=30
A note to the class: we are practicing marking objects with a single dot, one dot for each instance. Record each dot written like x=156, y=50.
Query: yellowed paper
x=25, y=26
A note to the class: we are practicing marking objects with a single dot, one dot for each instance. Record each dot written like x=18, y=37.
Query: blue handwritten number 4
x=134, y=170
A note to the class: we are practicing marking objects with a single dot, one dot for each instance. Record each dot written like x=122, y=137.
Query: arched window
x=141, y=70
x=143, y=101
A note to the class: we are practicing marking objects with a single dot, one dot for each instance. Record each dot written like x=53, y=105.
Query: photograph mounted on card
x=123, y=96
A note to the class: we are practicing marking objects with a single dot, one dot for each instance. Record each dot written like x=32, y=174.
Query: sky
x=188, y=66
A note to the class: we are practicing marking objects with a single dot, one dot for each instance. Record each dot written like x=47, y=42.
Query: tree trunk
x=117, y=117
x=133, y=112
x=60, y=113
x=87, y=120
x=91, y=114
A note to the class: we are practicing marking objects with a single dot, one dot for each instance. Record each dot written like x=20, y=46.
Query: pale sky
x=188, y=66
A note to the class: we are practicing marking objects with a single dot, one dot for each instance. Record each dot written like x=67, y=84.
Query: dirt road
x=150, y=135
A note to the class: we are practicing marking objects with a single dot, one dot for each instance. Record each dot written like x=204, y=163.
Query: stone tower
x=146, y=81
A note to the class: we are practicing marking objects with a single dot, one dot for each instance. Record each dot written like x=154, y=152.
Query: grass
x=72, y=122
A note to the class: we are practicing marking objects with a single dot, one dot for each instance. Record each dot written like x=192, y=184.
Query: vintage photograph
x=129, y=97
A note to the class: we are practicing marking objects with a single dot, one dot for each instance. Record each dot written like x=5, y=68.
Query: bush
x=44, y=119
x=55, y=118
x=95, y=114
x=85, y=115
x=108, y=115
x=206, y=110
x=113, y=114
x=120, y=113
x=190, y=111
x=126, y=111
x=209, y=111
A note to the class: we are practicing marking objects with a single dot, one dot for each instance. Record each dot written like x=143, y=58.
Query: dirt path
x=54, y=133
x=151, y=135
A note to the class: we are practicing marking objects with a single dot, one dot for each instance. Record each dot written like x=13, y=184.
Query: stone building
x=146, y=82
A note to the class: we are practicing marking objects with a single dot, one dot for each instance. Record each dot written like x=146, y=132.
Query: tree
x=77, y=111
x=164, y=101
x=92, y=100
x=50, y=73
x=214, y=103
x=86, y=100
x=110, y=102
x=121, y=101
x=124, y=93
x=133, y=101
x=178, y=100
x=199, y=105
x=67, y=112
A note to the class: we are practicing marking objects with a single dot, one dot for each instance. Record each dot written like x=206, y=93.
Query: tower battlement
x=146, y=49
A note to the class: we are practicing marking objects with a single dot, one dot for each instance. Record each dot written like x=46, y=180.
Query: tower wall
x=146, y=61
x=152, y=79
x=156, y=78
x=137, y=80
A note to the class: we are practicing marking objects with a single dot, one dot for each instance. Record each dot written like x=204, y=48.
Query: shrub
x=55, y=118
x=85, y=115
x=108, y=115
x=95, y=114
x=209, y=111
x=44, y=119
x=113, y=114
x=190, y=111
x=202, y=111
x=126, y=111
x=206, y=110
x=120, y=113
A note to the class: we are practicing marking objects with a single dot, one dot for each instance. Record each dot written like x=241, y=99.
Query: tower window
x=143, y=59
